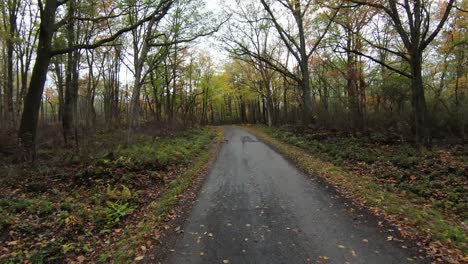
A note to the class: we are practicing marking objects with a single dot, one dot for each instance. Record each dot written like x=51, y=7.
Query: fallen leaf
x=12, y=243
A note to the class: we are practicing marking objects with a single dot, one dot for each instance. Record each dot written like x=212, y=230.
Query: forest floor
x=423, y=193
x=106, y=204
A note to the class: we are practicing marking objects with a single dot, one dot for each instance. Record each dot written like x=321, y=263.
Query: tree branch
x=162, y=10
x=286, y=38
x=426, y=42
x=324, y=33
x=380, y=62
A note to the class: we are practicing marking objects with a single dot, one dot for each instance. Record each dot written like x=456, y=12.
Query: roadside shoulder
x=413, y=221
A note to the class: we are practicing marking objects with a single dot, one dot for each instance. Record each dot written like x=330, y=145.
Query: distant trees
x=79, y=45
x=48, y=28
x=10, y=10
x=345, y=58
x=249, y=40
x=300, y=40
x=413, y=21
x=394, y=67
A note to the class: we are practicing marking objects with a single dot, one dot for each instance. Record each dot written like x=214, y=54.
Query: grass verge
x=445, y=239
x=125, y=249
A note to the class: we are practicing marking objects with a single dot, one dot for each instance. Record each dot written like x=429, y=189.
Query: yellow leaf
x=12, y=243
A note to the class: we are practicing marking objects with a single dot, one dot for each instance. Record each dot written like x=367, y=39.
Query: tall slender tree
x=414, y=22
x=48, y=26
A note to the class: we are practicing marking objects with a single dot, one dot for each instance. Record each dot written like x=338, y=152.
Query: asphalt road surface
x=256, y=207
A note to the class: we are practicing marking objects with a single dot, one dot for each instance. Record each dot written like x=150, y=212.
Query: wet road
x=256, y=207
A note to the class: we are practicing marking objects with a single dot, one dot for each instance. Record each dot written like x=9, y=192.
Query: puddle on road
x=248, y=139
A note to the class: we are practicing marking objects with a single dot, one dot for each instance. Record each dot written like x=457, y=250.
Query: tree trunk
x=243, y=114
x=459, y=97
x=10, y=42
x=269, y=104
x=70, y=117
x=115, y=88
x=139, y=62
x=421, y=130
x=174, y=88
x=285, y=100
x=306, y=96
x=71, y=83
x=32, y=104
x=60, y=85
x=304, y=65
x=9, y=108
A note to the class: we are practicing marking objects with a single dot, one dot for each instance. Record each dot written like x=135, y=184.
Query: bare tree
x=250, y=39
x=47, y=28
x=413, y=21
x=10, y=11
x=297, y=43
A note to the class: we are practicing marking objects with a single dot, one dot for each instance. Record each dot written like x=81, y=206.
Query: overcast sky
x=209, y=44
x=204, y=45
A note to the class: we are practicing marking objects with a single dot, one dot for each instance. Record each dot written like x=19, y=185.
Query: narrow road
x=255, y=207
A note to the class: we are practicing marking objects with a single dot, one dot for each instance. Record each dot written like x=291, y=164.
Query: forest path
x=255, y=207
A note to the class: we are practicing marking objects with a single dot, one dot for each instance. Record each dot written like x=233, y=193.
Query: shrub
x=118, y=194
x=115, y=212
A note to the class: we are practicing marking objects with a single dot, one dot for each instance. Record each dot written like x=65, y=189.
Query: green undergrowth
x=126, y=248
x=438, y=175
x=70, y=211
x=423, y=191
x=159, y=153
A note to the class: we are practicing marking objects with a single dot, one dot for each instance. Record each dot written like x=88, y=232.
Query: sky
x=209, y=44
x=205, y=45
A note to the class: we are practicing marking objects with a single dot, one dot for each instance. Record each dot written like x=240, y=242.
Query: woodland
x=108, y=108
